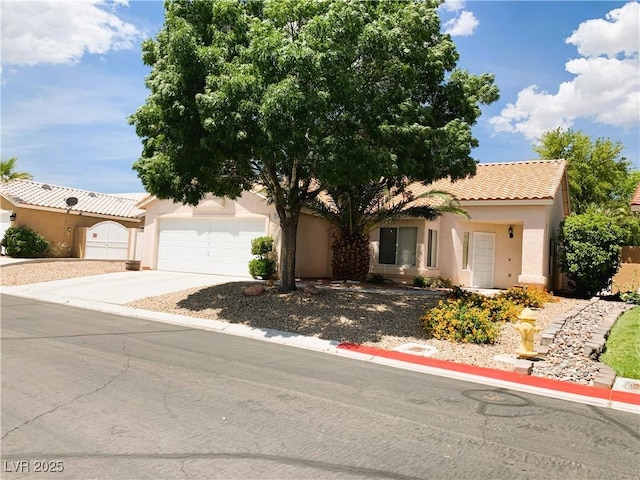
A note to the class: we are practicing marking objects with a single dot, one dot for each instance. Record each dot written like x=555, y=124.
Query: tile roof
x=36, y=194
x=635, y=200
x=531, y=180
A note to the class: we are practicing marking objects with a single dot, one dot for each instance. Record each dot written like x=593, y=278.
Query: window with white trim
x=398, y=246
x=465, y=251
x=432, y=248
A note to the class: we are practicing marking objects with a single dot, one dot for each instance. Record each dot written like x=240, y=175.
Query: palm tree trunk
x=350, y=257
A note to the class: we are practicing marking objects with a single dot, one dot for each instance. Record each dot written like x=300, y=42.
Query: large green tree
x=283, y=92
x=8, y=171
x=598, y=174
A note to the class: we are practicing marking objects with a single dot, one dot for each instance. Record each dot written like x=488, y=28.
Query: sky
x=71, y=74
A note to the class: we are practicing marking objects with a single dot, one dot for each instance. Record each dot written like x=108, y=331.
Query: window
x=465, y=251
x=432, y=248
x=398, y=246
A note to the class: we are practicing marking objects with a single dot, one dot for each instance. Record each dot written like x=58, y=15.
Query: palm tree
x=356, y=210
x=8, y=171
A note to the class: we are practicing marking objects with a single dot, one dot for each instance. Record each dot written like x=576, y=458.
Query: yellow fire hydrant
x=526, y=327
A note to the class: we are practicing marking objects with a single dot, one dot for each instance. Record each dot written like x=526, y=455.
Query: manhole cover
x=493, y=397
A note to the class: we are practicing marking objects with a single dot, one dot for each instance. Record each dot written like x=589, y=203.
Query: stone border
x=549, y=335
x=606, y=375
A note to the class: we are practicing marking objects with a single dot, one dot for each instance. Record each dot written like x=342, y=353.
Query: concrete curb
x=616, y=400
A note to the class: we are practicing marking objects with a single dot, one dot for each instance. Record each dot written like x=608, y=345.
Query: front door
x=483, y=258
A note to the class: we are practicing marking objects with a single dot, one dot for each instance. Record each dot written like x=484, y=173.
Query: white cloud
x=605, y=89
x=463, y=25
x=453, y=5
x=617, y=34
x=62, y=31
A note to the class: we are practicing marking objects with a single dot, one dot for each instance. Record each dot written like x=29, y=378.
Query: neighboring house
x=77, y=223
x=635, y=200
x=627, y=278
x=515, y=210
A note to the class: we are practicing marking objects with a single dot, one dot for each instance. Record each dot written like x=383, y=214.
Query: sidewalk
x=111, y=292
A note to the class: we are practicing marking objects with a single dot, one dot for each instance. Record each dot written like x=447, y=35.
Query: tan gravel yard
x=381, y=319
x=47, y=271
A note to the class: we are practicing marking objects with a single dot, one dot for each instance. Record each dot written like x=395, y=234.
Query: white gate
x=5, y=223
x=107, y=240
x=483, y=258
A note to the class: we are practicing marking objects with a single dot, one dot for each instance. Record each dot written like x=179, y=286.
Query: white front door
x=483, y=258
x=107, y=240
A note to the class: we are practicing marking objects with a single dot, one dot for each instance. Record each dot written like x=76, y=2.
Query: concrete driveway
x=117, y=288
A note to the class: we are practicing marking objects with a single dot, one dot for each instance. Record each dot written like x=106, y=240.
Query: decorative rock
x=254, y=290
x=311, y=289
x=573, y=349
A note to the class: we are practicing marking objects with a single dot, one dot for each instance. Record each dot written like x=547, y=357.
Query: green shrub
x=265, y=265
x=590, y=246
x=262, y=268
x=378, y=279
x=630, y=297
x=23, y=242
x=458, y=321
x=431, y=282
x=262, y=246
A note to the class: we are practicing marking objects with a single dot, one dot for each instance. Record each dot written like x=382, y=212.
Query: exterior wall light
x=510, y=231
x=12, y=217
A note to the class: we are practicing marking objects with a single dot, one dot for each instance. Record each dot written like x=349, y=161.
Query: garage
x=208, y=245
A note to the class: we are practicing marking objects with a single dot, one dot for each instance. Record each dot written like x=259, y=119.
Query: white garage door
x=217, y=246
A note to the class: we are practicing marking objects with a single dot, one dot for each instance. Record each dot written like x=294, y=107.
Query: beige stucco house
x=77, y=223
x=515, y=210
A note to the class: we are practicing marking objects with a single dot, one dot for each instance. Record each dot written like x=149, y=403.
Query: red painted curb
x=541, y=382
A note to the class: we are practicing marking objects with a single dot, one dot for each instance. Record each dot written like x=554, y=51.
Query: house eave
x=507, y=203
x=74, y=212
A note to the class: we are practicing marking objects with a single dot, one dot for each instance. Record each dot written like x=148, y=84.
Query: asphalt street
x=98, y=395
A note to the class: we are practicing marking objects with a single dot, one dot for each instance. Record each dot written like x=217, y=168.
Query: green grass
x=622, y=350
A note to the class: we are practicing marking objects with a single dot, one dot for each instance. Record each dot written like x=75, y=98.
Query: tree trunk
x=289, y=228
x=350, y=257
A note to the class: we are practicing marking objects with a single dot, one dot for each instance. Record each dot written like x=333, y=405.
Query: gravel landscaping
x=345, y=314
x=384, y=319
x=47, y=271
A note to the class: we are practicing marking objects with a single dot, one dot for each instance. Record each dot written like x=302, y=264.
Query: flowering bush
x=528, y=297
x=471, y=317
x=458, y=321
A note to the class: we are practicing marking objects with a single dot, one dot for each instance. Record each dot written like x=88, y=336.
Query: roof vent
x=71, y=201
x=91, y=194
x=46, y=186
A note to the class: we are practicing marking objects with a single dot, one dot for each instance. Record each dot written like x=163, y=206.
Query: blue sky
x=72, y=74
